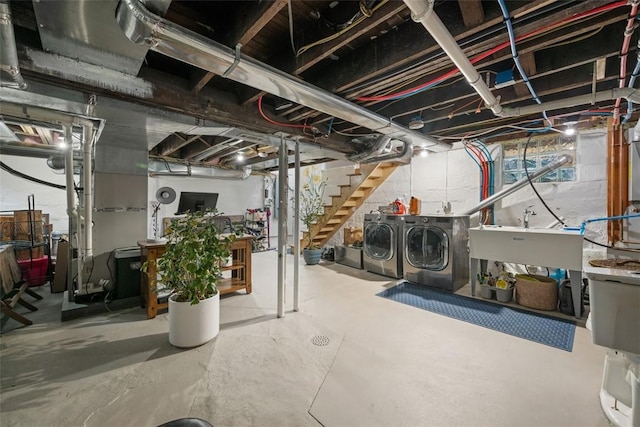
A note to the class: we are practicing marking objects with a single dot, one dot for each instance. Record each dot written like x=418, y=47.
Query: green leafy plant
x=191, y=266
x=311, y=204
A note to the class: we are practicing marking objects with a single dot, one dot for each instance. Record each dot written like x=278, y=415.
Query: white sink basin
x=542, y=247
x=533, y=246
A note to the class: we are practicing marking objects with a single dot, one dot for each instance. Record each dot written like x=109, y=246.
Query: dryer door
x=379, y=241
x=427, y=247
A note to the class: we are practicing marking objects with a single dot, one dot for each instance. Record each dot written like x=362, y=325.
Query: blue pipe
x=516, y=60
x=611, y=218
x=632, y=81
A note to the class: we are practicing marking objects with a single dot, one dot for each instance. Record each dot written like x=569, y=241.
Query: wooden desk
x=240, y=272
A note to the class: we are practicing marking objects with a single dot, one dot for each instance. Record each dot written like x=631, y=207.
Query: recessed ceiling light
x=416, y=123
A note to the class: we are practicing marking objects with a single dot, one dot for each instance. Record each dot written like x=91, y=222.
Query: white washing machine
x=383, y=243
x=436, y=250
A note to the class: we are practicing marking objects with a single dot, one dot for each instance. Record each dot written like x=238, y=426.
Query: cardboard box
x=352, y=235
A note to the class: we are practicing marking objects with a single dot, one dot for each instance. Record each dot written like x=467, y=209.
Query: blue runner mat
x=546, y=330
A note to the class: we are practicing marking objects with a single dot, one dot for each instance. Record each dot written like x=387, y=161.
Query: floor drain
x=320, y=340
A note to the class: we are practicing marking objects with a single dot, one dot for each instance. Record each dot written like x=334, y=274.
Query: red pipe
x=628, y=32
x=499, y=47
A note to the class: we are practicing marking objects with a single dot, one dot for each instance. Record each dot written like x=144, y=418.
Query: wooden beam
x=245, y=30
x=472, y=12
x=318, y=53
x=528, y=62
x=174, y=142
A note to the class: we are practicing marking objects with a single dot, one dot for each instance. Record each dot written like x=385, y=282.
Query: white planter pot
x=194, y=325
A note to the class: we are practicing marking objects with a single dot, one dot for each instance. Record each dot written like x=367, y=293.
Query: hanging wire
x=480, y=57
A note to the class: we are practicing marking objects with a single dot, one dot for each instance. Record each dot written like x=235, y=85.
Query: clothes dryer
x=383, y=243
x=435, y=250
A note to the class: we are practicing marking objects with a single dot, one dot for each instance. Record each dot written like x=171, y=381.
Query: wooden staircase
x=361, y=185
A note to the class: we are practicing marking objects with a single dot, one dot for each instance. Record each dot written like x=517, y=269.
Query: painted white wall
x=14, y=190
x=452, y=178
x=234, y=196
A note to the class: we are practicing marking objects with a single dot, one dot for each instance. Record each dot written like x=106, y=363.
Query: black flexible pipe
x=526, y=171
x=14, y=172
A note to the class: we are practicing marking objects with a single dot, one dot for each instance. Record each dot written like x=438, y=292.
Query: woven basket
x=539, y=292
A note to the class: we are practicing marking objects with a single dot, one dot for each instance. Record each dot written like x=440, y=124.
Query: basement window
x=542, y=151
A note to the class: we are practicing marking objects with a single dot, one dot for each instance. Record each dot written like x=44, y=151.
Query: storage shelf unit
x=255, y=224
x=240, y=273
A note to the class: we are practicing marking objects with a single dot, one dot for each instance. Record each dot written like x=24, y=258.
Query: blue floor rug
x=546, y=330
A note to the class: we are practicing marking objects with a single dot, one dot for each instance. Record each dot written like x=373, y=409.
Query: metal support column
x=283, y=164
x=296, y=234
x=71, y=208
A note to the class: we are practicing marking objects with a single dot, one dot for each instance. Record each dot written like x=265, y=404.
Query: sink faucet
x=528, y=211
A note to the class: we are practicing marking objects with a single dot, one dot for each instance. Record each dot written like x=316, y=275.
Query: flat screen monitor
x=194, y=202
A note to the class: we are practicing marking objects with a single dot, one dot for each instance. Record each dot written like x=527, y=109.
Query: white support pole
x=296, y=234
x=71, y=205
x=283, y=164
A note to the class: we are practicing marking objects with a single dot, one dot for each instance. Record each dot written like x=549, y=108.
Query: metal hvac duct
x=8, y=52
x=166, y=168
x=382, y=151
x=28, y=149
x=561, y=160
x=141, y=26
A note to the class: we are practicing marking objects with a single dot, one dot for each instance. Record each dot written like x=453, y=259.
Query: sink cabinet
x=542, y=247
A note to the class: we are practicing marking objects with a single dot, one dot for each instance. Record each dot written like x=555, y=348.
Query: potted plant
x=311, y=208
x=190, y=269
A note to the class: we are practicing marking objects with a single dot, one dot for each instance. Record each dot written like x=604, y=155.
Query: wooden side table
x=240, y=272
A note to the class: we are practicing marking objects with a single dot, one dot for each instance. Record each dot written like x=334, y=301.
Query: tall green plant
x=311, y=204
x=191, y=266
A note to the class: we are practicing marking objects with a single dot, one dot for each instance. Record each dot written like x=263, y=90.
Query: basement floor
x=383, y=364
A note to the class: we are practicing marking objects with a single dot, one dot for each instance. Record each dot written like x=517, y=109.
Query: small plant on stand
x=311, y=209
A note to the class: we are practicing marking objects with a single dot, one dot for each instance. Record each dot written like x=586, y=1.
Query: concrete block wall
x=449, y=182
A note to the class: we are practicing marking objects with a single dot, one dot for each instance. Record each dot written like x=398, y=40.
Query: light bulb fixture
x=262, y=154
x=570, y=130
x=424, y=152
x=240, y=157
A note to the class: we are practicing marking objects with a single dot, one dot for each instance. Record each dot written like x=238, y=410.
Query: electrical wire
x=628, y=32
x=290, y=10
x=287, y=125
x=526, y=171
x=516, y=59
x=465, y=42
x=334, y=36
x=480, y=57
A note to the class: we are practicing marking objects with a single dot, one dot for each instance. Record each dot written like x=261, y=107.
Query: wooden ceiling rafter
x=246, y=30
x=437, y=67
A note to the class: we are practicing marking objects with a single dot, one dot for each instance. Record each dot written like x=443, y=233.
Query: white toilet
x=614, y=321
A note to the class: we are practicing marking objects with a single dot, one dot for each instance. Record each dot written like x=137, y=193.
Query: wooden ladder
x=362, y=183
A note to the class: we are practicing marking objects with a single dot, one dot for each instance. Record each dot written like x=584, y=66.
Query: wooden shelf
x=240, y=273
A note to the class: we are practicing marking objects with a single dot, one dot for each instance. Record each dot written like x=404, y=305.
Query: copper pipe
x=617, y=179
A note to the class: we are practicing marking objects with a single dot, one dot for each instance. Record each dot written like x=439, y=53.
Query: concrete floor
x=384, y=364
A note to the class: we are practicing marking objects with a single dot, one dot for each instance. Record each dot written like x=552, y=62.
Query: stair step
x=334, y=221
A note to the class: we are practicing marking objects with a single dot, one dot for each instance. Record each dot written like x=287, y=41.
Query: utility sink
x=534, y=246
x=543, y=247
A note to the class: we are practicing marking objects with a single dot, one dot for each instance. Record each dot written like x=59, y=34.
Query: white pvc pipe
x=71, y=209
x=422, y=12
x=296, y=234
x=87, y=145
